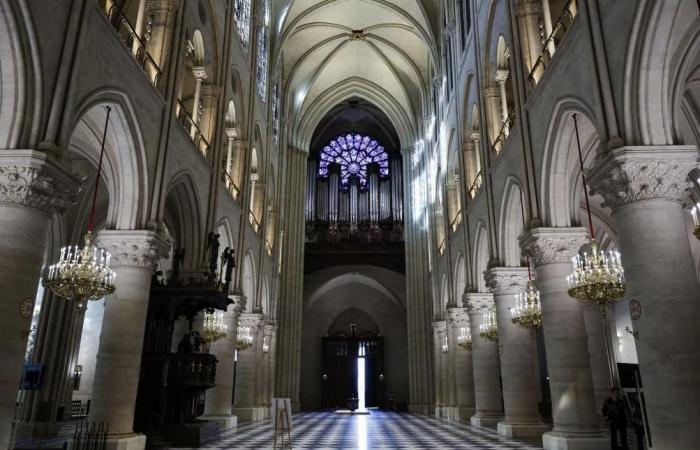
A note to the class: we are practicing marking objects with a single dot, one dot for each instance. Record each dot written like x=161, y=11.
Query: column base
x=464, y=414
x=225, y=421
x=485, y=421
x=419, y=408
x=126, y=442
x=522, y=429
x=254, y=414
x=575, y=441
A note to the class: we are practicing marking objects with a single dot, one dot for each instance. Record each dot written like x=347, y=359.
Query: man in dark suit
x=615, y=412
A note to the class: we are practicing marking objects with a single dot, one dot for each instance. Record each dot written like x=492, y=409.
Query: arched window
x=261, y=70
x=353, y=153
x=275, y=113
x=241, y=15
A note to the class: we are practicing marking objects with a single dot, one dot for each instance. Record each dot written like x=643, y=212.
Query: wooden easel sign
x=282, y=414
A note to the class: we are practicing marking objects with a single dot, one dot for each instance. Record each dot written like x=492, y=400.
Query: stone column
x=291, y=291
x=518, y=357
x=58, y=337
x=231, y=134
x=219, y=398
x=568, y=361
x=138, y=26
x=451, y=387
x=528, y=13
x=642, y=185
x=247, y=370
x=239, y=148
x=200, y=74
x=600, y=368
x=134, y=255
x=32, y=188
x=439, y=329
x=502, y=78
x=493, y=119
x=267, y=378
x=548, y=28
x=487, y=376
x=209, y=95
x=163, y=13
x=461, y=360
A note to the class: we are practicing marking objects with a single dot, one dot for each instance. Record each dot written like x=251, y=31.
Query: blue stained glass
x=353, y=152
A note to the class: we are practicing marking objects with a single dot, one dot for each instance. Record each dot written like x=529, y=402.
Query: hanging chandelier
x=597, y=277
x=489, y=328
x=695, y=212
x=527, y=312
x=464, y=339
x=214, y=328
x=244, y=339
x=83, y=274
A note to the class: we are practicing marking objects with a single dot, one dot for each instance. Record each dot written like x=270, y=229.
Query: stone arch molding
x=348, y=278
x=125, y=168
x=185, y=211
x=305, y=123
x=510, y=223
x=652, y=68
x=560, y=164
x=20, y=83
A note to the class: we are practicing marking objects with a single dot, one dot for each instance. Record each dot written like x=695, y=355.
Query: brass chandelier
x=489, y=328
x=83, y=274
x=464, y=339
x=527, y=312
x=214, y=327
x=244, y=339
x=597, y=277
x=695, y=212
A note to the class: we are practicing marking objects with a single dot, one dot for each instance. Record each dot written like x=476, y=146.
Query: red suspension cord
x=99, y=172
x=583, y=177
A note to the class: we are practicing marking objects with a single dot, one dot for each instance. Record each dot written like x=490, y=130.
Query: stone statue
x=213, y=246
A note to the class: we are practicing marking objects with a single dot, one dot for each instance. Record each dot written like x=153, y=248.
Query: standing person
x=614, y=411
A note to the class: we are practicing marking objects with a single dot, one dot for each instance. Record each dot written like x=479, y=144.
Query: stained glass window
x=261, y=69
x=275, y=112
x=241, y=15
x=353, y=153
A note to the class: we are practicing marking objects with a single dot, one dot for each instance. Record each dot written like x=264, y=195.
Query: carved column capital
x=506, y=280
x=161, y=6
x=553, y=245
x=199, y=73
x=34, y=179
x=502, y=75
x=529, y=8
x=630, y=174
x=252, y=320
x=479, y=303
x=239, y=302
x=440, y=328
x=133, y=248
x=231, y=134
x=458, y=317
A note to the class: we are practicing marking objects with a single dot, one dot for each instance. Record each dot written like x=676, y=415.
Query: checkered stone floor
x=380, y=430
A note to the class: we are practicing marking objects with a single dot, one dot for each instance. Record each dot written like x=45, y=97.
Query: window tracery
x=261, y=67
x=241, y=15
x=353, y=153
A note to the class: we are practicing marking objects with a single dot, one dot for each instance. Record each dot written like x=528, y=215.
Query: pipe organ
x=354, y=193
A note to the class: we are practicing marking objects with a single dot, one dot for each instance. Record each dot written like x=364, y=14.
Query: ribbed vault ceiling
x=379, y=50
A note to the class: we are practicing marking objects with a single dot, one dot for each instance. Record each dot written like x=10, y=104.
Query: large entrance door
x=348, y=364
